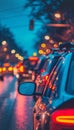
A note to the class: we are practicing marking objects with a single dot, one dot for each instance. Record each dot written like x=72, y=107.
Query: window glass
x=53, y=84
x=70, y=79
x=46, y=65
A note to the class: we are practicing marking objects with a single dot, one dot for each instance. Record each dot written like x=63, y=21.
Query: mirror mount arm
x=38, y=94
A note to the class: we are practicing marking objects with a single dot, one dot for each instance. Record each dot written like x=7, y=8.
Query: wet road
x=15, y=109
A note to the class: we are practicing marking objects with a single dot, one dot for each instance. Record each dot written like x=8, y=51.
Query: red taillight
x=65, y=119
x=63, y=116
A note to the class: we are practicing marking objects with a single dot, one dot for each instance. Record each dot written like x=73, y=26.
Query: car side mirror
x=27, y=88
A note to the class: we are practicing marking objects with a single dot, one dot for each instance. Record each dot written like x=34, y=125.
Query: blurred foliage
x=43, y=11
x=6, y=35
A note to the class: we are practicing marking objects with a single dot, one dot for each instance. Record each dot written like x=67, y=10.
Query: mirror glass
x=27, y=88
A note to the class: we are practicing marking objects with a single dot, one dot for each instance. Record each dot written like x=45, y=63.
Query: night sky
x=12, y=15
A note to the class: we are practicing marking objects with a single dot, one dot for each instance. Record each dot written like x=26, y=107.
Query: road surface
x=15, y=109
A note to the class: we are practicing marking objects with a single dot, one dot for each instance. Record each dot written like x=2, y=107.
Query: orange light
x=46, y=77
x=48, y=51
x=57, y=15
x=65, y=119
x=43, y=45
x=4, y=68
x=0, y=69
x=21, y=68
x=6, y=64
x=33, y=58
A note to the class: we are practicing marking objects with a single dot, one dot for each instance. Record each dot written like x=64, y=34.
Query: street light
x=58, y=15
x=43, y=45
x=4, y=42
x=47, y=37
x=13, y=51
x=41, y=52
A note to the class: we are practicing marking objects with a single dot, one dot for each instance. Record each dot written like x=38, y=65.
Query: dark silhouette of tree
x=6, y=35
x=43, y=11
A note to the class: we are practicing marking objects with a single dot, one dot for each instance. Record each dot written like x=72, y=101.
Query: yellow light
x=21, y=68
x=65, y=119
x=41, y=52
x=21, y=58
x=13, y=51
x=34, y=54
x=57, y=15
x=0, y=69
x=10, y=69
x=43, y=45
x=4, y=68
x=46, y=77
x=47, y=37
x=60, y=43
x=17, y=55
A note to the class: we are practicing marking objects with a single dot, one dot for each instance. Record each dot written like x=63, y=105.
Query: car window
x=46, y=65
x=70, y=79
x=54, y=81
x=49, y=64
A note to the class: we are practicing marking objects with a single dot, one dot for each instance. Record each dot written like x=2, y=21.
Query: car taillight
x=21, y=68
x=4, y=69
x=1, y=70
x=10, y=69
x=65, y=116
x=65, y=119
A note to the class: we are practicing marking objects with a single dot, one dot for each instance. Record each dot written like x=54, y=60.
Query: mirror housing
x=27, y=88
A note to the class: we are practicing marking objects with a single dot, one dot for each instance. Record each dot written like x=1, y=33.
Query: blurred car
x=1, y=74
x=54, y=110
x=39, y=68
x=23, y=73
x=7, y=69
x=40, y=64
x=19, y=70
x=50, y=62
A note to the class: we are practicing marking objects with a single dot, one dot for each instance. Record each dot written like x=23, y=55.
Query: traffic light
x=31, y=26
